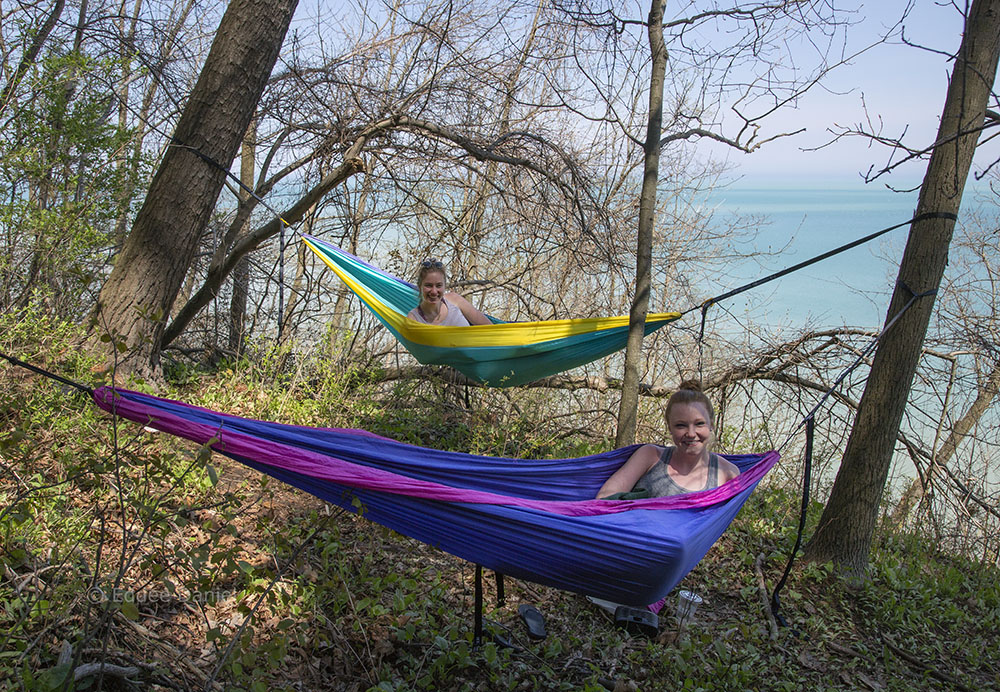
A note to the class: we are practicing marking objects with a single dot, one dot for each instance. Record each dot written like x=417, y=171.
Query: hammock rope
x=813, y=260
x=89, y=391
x=471, y=349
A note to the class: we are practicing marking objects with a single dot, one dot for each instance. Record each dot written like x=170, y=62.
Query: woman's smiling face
x=432, y=287
x=690, y=427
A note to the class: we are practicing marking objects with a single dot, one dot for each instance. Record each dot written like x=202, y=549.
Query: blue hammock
x=530, y=519
x=502, y=354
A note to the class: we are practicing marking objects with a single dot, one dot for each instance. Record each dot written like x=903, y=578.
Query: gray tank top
x=659, y=483
x=454, y=318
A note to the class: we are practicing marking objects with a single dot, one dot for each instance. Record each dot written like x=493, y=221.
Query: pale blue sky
x=901, y=85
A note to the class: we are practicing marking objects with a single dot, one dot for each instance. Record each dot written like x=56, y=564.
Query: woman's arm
x=634, y=468
x=471, y=312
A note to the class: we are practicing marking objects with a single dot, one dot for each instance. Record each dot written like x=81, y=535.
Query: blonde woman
x=440, y=306
x=685, y=467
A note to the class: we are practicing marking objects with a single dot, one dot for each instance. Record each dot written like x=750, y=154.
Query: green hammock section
x=503, y=354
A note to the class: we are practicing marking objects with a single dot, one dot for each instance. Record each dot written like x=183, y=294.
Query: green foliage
x=944, y=605
x=63, y=173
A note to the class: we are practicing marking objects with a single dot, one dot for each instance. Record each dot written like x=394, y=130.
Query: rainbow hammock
x=503, y=354
x=530, y=519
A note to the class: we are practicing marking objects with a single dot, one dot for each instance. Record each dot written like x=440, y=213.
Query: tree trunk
x=150, y=269
x=848, y=522
x=644, y=245
x=241, y=272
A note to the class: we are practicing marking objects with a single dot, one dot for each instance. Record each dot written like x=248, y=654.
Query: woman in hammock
x=440, y=306
x=656, y=471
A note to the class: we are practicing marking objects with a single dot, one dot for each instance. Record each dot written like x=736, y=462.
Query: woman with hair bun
x=686, y=467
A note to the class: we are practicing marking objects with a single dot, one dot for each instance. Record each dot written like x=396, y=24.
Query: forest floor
x=133, y=560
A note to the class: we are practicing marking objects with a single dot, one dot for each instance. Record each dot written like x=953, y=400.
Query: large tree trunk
x=845, y=530
x=644, y=244
x=150, y=269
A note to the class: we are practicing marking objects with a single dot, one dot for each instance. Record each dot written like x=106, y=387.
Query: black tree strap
x=830, y=253
x=477, y=633
x=174, y=142
x=806, y=481
x=51, y=375
x=281, y=230
x=913, y=294
x=281, y=279
x=809, y=421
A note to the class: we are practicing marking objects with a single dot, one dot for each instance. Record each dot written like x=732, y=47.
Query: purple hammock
x=530, y=519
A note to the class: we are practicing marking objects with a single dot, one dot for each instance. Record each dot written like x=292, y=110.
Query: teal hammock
x=502, y=354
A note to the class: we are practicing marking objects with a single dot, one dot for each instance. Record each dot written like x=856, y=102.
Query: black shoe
x=533, y=620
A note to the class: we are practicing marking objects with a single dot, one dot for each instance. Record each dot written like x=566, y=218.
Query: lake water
x=850, y=288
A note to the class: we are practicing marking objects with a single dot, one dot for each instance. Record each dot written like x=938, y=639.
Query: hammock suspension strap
x=830, y=253
x=806, y=480
x=51, y=375
x=477, y=633
x=174, y=142
x=809, y=421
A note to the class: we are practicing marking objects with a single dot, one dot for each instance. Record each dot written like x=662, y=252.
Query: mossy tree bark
x=848, y=522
